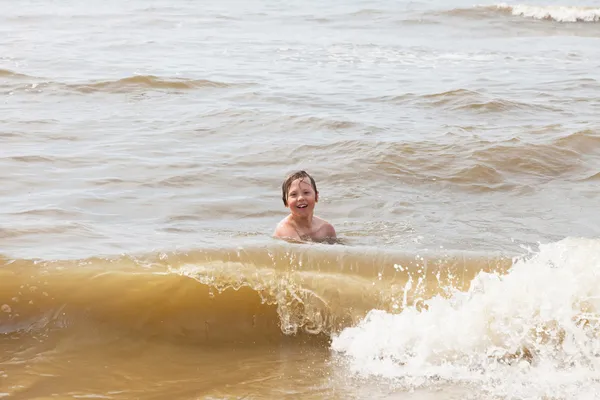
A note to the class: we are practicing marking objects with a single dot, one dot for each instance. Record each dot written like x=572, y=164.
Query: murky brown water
x=142, y=148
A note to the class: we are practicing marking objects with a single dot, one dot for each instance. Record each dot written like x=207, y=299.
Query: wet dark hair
x=291, y=178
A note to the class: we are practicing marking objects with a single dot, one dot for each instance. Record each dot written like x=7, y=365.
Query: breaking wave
x=529, y=333
x=548, y=13
x=220, y=297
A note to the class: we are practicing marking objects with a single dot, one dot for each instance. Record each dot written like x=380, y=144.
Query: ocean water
x=456, y=148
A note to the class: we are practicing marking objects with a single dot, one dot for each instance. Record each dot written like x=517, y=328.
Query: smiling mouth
x=302, y=206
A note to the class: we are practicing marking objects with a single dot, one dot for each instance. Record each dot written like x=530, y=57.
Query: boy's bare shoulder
x=285, y=229
x=325, y=228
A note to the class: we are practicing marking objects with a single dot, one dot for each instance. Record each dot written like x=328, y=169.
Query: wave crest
x=553, y=13
x=219, y=297
x=124, y=85
x=530, y=333
x=149, y=81
x=544, y=13
x=12, y=74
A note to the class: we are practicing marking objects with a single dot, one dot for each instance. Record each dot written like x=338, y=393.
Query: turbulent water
x=456, y=149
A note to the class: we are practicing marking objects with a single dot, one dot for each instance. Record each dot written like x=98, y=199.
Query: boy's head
x=287, y=183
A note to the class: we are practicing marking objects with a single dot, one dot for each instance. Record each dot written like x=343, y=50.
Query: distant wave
x=554, y=13
x=472, y=164
x=580, y=141
x=595, y=177
x=5, y=72
x=550, y=13
x=463, y=99
x=9, y=73
x=148, y=81
x=123, y=85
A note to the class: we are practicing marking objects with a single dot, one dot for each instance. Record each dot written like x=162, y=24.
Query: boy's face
x=301, y=197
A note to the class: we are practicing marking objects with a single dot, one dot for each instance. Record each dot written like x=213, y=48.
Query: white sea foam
x=530, y=333
x=555, y=13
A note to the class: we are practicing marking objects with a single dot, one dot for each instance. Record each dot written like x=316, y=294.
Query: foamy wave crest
x=554, y=13
x=529, y=333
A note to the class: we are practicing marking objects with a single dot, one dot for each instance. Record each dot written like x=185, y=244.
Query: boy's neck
x=303, y=222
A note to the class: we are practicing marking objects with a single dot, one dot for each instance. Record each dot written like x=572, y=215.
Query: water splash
x=529, y=333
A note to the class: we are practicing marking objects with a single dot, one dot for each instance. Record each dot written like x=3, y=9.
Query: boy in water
x=300, y=195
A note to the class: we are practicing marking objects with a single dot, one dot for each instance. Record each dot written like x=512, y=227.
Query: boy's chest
x=316, y=232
